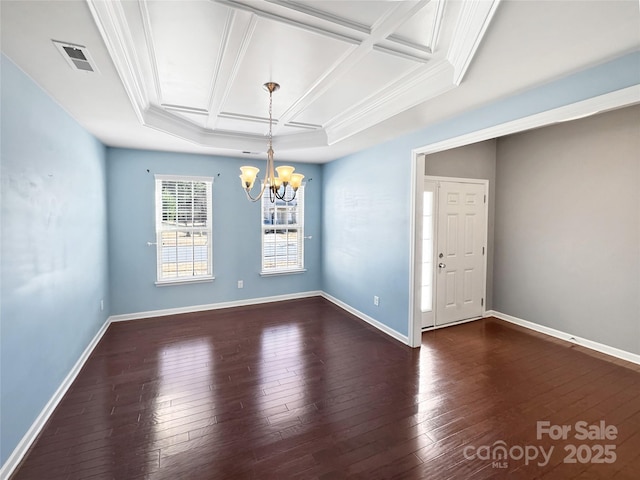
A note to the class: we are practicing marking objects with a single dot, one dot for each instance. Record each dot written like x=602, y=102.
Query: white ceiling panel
x=366, y=78
x=186, y=62
x=291, y=56
x=419, y=30
x=354, y=13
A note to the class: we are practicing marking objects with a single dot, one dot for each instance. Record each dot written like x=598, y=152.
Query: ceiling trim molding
x=395, y=17
x=401, y=95
x=426, y=79
x=308, y=126
x=437, y=26
x=151, y=53
x=215, y=84
x=111, y=22
x=184, y=109
x=246, y=118
x=435, y=32
x=241, y=31
x=473, y=21
x=279, y=18
x=401, y=54
x=321, y=85
x=301, y=8
x=574, y=111
x=363, y=30
x=159, y=119
x=408, y=43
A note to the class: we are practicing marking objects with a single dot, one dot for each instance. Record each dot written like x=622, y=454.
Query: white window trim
x=160, y=282
x=298, y=226
x=292, y=271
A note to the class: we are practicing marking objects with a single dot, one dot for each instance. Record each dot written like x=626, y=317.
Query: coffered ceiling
x=342, y=67
x=188, y=75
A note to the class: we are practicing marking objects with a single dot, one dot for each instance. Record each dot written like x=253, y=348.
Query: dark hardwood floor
x=302, y=389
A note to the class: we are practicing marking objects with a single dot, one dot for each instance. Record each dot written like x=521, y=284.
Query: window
x=427, y=252
x=283, y=234
x=183, y=228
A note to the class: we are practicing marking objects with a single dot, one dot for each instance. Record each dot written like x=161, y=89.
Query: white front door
x=460, y=249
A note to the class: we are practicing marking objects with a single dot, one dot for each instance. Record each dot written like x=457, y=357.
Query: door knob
x=441, y=265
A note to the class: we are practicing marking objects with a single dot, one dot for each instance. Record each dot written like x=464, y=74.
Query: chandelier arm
x=283, y=196
x=255, y=199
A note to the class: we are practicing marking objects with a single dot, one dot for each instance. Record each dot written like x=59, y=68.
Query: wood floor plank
x=303, y=389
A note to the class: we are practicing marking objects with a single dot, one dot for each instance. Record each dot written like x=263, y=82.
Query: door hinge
x=482, y=250
x=482, y=302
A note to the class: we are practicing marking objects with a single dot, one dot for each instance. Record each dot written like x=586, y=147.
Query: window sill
x=282, y=272
x=184, y=281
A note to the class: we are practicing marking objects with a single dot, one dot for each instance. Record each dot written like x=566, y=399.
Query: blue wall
x=54, y=249
x=366, y=237
x=365, y=229
x=236, y=233
x=55, y=265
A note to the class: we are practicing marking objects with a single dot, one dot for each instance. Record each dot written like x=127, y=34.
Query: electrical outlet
x=101, y=305
x=376, y=300
x=240, y=284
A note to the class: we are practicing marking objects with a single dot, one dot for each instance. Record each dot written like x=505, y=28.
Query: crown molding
x=112, y=24
x=236, y=40
x=409, y=91
x=426, y=77
x=471, y=26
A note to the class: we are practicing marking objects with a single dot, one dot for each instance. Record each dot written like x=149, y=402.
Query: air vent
x=77, y=56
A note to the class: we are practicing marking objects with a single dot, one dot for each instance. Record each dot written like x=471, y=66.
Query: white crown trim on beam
x=112, y=24
x=404, y=94
x=400, y=13
x=151, y=54
x=471, y=27
x=279, y=18
x=236, y=43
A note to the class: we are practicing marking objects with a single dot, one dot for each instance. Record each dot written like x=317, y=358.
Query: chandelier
x=276, y=185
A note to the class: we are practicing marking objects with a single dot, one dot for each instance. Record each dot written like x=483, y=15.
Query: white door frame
x=590, y=106
x=417, y=238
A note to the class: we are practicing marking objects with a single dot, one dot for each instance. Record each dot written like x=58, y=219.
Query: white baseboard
x=371, y=321
x=212, y=306
x=25, y=443
x=21, y=449
x=598, y=347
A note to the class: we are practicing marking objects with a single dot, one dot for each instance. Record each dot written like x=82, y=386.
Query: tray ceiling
x=187, y=76
x=195, y=69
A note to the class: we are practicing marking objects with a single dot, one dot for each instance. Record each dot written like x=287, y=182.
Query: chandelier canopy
x=275, y=184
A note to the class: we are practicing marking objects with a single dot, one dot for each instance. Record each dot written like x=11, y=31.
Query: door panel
x=460, y=263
